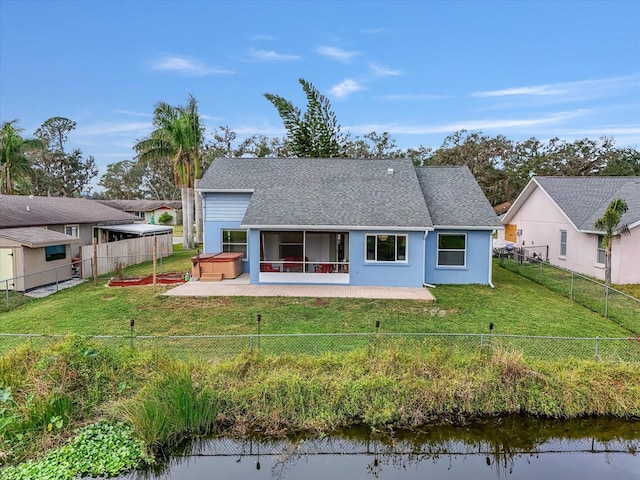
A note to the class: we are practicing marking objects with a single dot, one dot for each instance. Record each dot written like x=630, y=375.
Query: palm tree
x=178, y=135
x=608, y=223
x=15, y=166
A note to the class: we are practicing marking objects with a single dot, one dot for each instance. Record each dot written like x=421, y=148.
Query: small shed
x=31, y=257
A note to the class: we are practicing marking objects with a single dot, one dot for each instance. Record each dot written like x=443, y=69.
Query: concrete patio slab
x=240, y=288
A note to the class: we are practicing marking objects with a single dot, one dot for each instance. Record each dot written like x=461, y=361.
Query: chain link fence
x=23, y=289
x=222, y=347
x=613, y=304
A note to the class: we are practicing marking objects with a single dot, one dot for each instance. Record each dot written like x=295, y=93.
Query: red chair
x=324, y=268
x=268, y=267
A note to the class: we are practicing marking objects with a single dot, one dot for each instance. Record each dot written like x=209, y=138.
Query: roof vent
x=28, y=208
x=389, y=171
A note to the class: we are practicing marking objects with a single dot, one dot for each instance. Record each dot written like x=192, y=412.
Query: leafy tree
x=623, y=162
x=15, y=166
x=316, y=133
x=179, y=136
x=57, y=173
x=483, y=155
x=608, y=223
x=123, y=180
x=373, y=145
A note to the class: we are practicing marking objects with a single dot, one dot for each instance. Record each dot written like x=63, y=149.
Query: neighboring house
x=561, y=212
x=149, y=210
x=349, y=221
x=39, y=234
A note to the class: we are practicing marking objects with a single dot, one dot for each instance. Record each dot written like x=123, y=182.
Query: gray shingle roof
x=24, y=211
x=351, y=192
x=585, y=199
x=455, y=199
x=141, y=205
x=37, y=236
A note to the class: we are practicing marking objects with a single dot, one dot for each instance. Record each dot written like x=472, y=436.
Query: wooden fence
x=111, y=255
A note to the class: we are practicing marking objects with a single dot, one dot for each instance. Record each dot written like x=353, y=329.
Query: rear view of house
x=348, y=221
x=560, y=212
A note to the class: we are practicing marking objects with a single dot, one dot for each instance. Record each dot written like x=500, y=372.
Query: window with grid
x=386, y=248
x=235, y=241
x=452, y=249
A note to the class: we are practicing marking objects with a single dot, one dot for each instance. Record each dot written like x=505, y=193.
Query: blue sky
x=420, y=70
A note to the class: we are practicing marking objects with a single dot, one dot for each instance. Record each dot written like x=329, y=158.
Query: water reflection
x=513, y=447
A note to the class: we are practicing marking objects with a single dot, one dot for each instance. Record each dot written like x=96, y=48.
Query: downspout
x=489, y=280
x=424, y=261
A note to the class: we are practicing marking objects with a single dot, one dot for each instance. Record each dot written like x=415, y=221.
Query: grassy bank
x=48, y=392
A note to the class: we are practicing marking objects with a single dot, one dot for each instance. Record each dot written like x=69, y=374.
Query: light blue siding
x=220, y=207
x=392, y=274
x=477, y=265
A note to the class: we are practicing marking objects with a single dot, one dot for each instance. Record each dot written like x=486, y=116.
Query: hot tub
x=216, y=266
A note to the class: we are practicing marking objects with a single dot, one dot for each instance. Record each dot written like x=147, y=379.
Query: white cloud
x=132, y=114
x=373, y=31
x=133, y=128
x=570, y=90
x=410, y=97
x=270, y=55
x=337, y=53
x=384, y=71
x=188, y=66
x=473, y=125
x=345, y=88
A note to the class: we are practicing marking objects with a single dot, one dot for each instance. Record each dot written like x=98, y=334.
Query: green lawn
x=516, y=306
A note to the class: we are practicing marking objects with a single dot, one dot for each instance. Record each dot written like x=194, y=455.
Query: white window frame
x=599, y=249
x=396, y=260
x=438, y=249
x=245, y=243
x=563, y=244
x=73, y=226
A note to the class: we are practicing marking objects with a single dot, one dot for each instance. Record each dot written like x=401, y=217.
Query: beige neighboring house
x=38, y=234
x=149, y=210
x=561, y=212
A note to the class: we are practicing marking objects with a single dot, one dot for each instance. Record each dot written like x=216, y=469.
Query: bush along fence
x=609, y=302
x=222, y=347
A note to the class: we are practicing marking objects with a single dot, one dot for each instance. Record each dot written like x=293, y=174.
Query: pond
x=513, y=447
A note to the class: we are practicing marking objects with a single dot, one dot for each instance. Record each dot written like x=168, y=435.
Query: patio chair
x=324, y=268
x=268, y=267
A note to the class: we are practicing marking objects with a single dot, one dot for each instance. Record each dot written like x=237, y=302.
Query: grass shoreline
x=166, y=401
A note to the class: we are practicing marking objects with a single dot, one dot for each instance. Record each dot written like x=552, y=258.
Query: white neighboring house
x=561, y=212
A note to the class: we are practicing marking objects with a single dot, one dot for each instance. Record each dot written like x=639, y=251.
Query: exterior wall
x=392, y=274
x=540, y=221
x=85, y=232
x=225, y=211
x=159, y=211
x=625, y=258
x=478, y=258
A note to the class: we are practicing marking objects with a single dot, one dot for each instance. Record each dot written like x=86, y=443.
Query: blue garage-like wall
x=478, y=258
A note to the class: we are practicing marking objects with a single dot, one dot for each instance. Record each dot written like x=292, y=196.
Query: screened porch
x=306, y=256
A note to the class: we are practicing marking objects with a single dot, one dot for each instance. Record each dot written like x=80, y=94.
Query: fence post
x=571, y=287
x=131, y=324
x=6, y=285
x=606, y=301
x=259, y=328
x=94, y=263
x=55, y=270
x=597, y=356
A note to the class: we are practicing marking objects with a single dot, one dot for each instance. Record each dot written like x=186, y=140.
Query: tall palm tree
x=15, y=166
x=178, y=135
x=608, y=223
